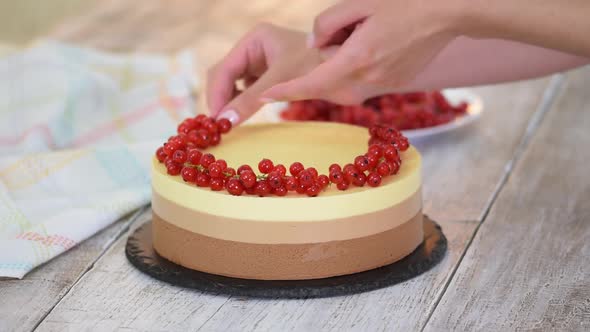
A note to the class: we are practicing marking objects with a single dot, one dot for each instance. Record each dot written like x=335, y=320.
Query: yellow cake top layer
x=317, y=144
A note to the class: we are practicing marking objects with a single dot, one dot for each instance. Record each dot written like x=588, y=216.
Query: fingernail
x=267, y=100
x=231, y=115
x=310, y=40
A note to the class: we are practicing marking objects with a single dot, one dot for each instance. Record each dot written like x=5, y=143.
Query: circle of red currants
x=182, y=156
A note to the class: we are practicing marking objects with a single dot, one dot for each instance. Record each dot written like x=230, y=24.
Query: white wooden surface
x=522, y=270
x=114, y=295
x=528, y=267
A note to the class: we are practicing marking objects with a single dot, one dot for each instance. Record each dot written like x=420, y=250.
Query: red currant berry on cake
x=373, y=161
x=301, y=189
x=343, y=185
x=394, y=165
x=244, y=168
x=235, y=187
x=280, y=191
x=229, y=172
x=362, y=163
x=173, y=168
x=335, y=167
x=351, y=173
x=160, y=154
x=336, y=176
x=323, y=181
x=215, y=170
x=207, y=159
x=360, y=180
x=203, y=138
x=194, y=156
x=189, y=174
x=390, y=153
x=403, y=144
x=274, y=179
x=203, y=179
x=224, y=125
x=313, y=190
x=216, y=184
x=262, y=188
x=374, y=179
x=281, y=169
x=215, y=140
x=313, y=172
x=248, y=178
x=265, y=166
x=296, y=168
x=169, y=149
x=210, y=126
x=376, y=151
x=179, y=156
x=222, y=163
x=383, y=169
x=291, y=183
x=305, y=178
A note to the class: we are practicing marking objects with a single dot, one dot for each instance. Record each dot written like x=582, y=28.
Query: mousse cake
x=292, y=237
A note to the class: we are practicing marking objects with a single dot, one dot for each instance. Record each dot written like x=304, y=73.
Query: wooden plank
x=23, y=303
x=527, y=268
x=114, y=295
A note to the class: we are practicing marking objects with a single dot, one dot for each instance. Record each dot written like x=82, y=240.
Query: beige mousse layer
x=272, y=232
x=285, y=261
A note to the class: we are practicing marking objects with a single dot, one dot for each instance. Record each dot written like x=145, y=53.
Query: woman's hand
x=391, y=41
x=265, y=56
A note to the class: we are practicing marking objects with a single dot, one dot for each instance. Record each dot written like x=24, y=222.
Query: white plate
x=271, y=113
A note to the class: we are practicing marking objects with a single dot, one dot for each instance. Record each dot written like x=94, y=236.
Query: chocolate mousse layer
x=285, y=261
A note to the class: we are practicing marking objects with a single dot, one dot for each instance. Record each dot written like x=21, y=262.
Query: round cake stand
x=140, y=252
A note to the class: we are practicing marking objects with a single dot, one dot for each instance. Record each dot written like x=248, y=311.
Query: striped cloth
x=77, y=130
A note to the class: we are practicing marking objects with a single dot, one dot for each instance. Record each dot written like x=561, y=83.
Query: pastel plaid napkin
x=77, y=130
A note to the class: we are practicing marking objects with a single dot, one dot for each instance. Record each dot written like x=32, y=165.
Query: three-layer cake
x=291, y=237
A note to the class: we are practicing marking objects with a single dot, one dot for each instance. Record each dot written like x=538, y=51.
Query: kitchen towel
x=77, y=130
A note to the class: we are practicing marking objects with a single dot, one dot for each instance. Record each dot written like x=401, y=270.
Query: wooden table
x=512, y=193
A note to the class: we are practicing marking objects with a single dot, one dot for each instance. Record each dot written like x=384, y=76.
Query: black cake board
x=140, y=252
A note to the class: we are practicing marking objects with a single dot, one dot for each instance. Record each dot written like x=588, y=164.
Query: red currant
x=301, y=189
x=323, y=180
x=374, y=179
x=313, y=172
x=217, y=184
x=343, y=185
x=222, y=163
x=280, y=191
x=262, y=188
x=244, y=168
x=235, y=187
x=203, y=138
x=265, y=166
x=383, y=169
x=281, y=169
x=275, y=179
x=291, y=183
x=194, y=156
x=336, y=176
x=248, y=178
x=179, y=156
x=169, y=149
x=189, y=174
x=224, y=125
x=305, y=178
x=203, y=179
x=173, y=168
x=207, y=159
x=376, y=151
x=229, y=172
x=394, y=166
x=215, y=140
x=360, y=180
x=313, y=190
x=296, y=168
x=215, y=170
x=362, y=163
x=334, y=167
x=160, y=154
x=390, y=153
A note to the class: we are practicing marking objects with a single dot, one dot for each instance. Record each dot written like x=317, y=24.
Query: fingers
x=245, y=58
x=330, y=26
x=245, y=104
